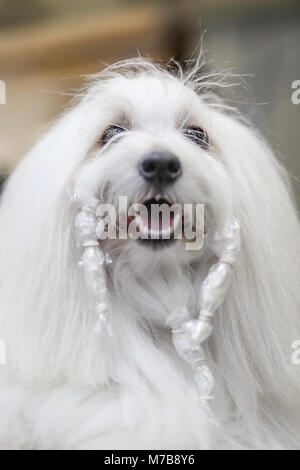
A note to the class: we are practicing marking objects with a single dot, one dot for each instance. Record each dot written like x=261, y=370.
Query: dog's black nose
x=160, y=168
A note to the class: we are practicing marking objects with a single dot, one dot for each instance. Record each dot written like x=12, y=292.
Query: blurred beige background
x=47, y=45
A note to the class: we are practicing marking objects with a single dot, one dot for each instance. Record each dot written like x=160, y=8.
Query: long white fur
x=63, y=386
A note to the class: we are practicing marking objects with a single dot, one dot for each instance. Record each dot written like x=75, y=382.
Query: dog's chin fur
x=65, y=387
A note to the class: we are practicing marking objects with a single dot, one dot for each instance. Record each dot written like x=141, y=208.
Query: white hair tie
x=93, y=262
x=189, y=335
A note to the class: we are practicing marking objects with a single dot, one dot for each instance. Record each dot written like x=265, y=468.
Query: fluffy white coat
x=63, y=386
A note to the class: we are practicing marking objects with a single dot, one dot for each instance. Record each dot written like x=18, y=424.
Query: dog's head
x=152, y=137
x=155, y=142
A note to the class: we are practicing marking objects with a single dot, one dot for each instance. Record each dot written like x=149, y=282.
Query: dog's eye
x=111, y=132
x=197, y=135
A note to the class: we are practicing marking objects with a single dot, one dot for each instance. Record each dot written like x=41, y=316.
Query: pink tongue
x=157, y=223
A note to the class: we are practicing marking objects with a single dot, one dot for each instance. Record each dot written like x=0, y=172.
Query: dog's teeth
x=145, y=230
x=139, y=222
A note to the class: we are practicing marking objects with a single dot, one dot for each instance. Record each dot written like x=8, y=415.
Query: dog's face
x=157, y=143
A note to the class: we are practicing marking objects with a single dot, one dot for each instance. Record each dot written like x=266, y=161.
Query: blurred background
x=47, y=45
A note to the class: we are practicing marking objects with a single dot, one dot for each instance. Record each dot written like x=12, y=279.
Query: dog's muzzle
x=159, y=169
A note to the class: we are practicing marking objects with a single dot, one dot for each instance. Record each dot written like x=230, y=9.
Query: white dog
x=139, y=131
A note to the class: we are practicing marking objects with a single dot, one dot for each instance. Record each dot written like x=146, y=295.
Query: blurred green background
x=45, y=47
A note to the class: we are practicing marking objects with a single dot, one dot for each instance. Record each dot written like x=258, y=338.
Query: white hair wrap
x=93, y=262
x=189, y=335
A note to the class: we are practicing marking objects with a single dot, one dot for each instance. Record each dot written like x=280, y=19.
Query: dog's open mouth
x=156, y=220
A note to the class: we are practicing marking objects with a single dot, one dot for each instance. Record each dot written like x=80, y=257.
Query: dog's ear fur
x=37, y=250
x=259, y=320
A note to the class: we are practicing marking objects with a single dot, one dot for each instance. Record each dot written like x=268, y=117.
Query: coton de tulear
x=124, y=343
